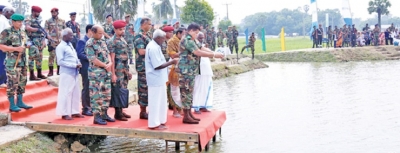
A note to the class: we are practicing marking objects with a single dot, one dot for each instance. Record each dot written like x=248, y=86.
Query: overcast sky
x=237, y=10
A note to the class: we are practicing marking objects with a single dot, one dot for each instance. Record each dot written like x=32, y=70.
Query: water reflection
x=301, y=107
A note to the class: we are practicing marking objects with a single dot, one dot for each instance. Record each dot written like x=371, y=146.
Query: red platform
x=43, y=118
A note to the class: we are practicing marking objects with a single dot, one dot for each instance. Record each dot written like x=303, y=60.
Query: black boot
x=191, y=115
x=143, y=114
x=105, y=116
x=58, y=70
x=32, y=76
x=187, y=119
x=118, y=114
x=98, y=119
x=40, y=75
x=50, y=71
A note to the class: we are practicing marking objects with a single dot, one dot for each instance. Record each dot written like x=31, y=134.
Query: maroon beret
x=168, y=29
x=36, y=9
x=54, y=9
x=119, y=24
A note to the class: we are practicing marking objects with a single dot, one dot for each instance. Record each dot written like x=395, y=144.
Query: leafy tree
x=198, y=11
x=164, y=9
x=104, y=7
x=224, y=24
x=25, y=8
x=380, y=7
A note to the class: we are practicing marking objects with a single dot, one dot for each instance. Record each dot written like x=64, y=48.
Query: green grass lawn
x=274, y=44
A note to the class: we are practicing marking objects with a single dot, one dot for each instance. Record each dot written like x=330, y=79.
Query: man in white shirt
x=157, y=76
x=5, y=14
x=69, y=95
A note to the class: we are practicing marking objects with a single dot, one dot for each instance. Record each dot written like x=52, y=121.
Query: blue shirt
x=153, y=59
x=80, y=49
x=67, y=58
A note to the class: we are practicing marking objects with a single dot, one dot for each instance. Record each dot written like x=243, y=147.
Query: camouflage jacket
x=210, y=36
x=214, y=35
x=96, y=49
x=54, y=27
x=108, y=29
x=120, y=47
x=220, y=36
x=252, y=40
x=229, y=35
x=34, y=23
x=74, y=27
x=235, y=35
x=15, y=38
x=188, y=62
x=164, y=50
x=129, y=31
x=140, y=42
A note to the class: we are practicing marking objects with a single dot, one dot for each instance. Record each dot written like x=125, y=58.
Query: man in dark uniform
x=140, y=42
x=252, y=40
x=75, y=28
x=353, y=36
x=320, y=33
x=315, y=37
x=235, y=35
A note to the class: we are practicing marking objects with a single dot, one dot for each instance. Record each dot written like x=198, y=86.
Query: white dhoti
x=157, y=106
x=69, y=95
x=203, y=86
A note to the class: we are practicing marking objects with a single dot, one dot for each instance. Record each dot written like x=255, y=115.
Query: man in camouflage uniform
x=229, y=36
x=220, y=37
x=235, y=44
x=169, y=32
x=344, y=35
x=128, y=36
x=209, y=38
x=53, y=27
x=12, y=42
x=75, y=27
x=140, y=42
x=329, y=33
x=188, y=67
x=108, y=27
x=214, y=36
x=376, y=33
x=251, y=45
x=37, y=40
x=120, y=74
x=99, y=76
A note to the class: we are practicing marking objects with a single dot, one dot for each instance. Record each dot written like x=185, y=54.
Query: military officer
x=220, y=37
x=12, y=42
x=120, y=74
x=229, y=36
x=251, y=45
x=53, y=27
x=140, y=42
x=235, y=35
x=108, y=27
x=214, y=36
x=209, y=38
x=99, y=76
x=188, y=67
x=129, y=35
x=37, y=40
x=75, y=28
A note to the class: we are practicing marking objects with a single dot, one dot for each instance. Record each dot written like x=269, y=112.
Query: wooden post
x=177, y=146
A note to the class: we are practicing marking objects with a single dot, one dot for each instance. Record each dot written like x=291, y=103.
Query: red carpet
x=43, y=99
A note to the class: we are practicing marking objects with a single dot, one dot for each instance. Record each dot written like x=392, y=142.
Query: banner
x=314, y=13
x=283, y=39
x=346, y=12
x=246, y=32
x=90, y=18
x=264, y=45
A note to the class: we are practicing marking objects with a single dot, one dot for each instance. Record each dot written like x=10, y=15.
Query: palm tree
x=101, y=8
x=380, y=7
x=163, y=9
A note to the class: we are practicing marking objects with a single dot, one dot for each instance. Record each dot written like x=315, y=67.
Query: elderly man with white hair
x=69, y=89
x=5, y=15
x=157, y=77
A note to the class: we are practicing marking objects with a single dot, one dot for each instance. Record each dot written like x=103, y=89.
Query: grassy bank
x=274, y=44
x=38, y=143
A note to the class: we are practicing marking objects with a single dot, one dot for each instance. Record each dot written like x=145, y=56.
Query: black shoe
x=87, y=113
x=106, y=117
x=99, y=120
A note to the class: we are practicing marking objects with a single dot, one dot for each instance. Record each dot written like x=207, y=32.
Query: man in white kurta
x=157, y=77
x=4, y=23
x=69, y=94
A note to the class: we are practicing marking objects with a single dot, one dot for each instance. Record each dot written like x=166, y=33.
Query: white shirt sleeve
x=60, y=50
x=154, y=56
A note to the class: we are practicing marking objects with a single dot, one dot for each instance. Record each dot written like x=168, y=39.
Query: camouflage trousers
x=121, y=71
x=16, y=80
x=130, y=50
x=99, y=90
x=186, y=85
x=235, y=45
x=213, y=45
x=52, y=54
x=142, y=89
x=220, y=43
x=35, y=54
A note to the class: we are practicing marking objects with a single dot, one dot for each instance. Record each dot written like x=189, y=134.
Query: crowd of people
x=349, y=36
x=172, y=65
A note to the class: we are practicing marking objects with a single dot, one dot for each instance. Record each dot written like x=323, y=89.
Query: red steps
x=38, y=94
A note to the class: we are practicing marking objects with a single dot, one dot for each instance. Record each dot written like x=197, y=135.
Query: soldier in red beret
x=120, y=74
x=53, y=27
x=170, y=32
x=37, y=38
